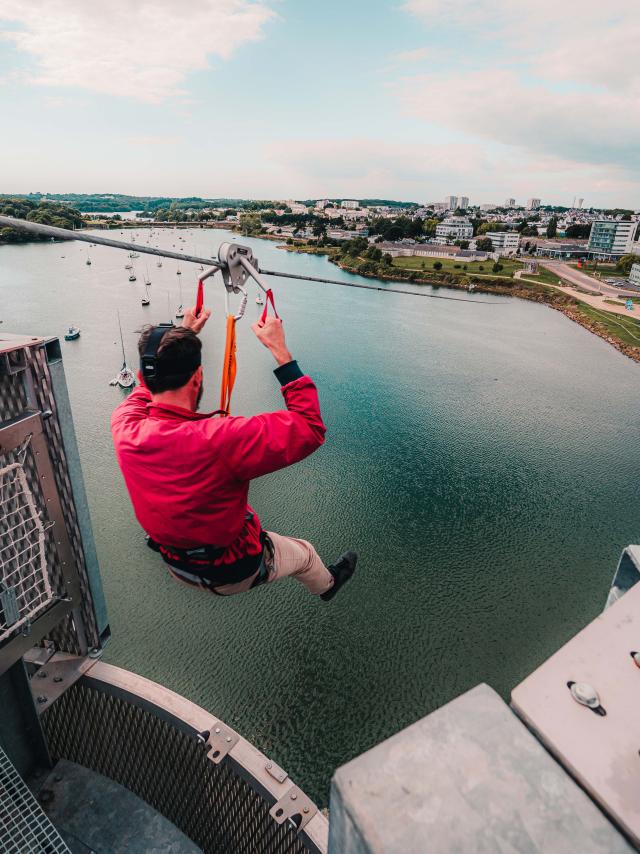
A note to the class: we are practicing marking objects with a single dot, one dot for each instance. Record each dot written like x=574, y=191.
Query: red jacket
x=188, y=473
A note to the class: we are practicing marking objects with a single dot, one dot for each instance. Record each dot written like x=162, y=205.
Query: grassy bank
x=456, y=266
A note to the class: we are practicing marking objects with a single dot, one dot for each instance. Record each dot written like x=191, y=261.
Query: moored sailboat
x=125, y=377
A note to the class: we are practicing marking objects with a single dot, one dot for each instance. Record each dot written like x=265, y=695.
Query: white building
x=489, y=207
x=296, y=207
x=611, y=239
x=634, y=275
x=454, y=228
x=533, y=203
x=509, y=203
x=321, y=204
x=451, y=202
x=463, y=202
x=350, y=204
x=504, y=242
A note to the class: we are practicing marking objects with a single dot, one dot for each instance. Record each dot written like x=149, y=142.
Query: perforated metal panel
x=169, y=769
x=24, y=581
x=27, y=388
x=24, y=828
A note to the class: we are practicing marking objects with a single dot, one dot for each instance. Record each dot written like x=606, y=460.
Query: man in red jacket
x=188, y=473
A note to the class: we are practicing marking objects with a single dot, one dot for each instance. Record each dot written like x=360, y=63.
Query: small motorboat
x=259, y=300
x=158, y=263
x=72, y=333
x=88, y=262
x=132, y=278
x=179, y=312
x=128, y=266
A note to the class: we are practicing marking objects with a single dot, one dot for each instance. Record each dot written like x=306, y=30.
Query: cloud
x=411, y=55
x=143, y=49
x=594, y=127
x=368, y=167
x=549, y=78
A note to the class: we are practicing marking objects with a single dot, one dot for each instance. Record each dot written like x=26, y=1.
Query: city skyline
x=408, y=101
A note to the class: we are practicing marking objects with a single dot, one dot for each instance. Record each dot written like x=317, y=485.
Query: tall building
x=580, y=202
x=509, y=203
x=532, y=204
x=454, y=228
x=463, y=202
x=451, y=202
x=634, y=275
x=610, y=239
x=504, y=242
x=350, y=204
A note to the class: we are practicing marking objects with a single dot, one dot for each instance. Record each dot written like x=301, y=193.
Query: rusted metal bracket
x=39, y=655
x=52, y=679
x=221, y=740
x=276, y=771
x=294, y=806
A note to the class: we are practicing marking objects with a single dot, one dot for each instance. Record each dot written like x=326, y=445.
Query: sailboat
x=145, y=298
x=178, y=271
x=147, y=280
x=125, y=377
x=88, y=261
x=158, y=263
x=132, y=277
x=180, y=312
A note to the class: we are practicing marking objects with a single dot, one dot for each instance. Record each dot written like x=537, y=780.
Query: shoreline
x=532, y=291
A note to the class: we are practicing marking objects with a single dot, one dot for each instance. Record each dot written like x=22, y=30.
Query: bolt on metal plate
x=294, y=806
x=221, y=740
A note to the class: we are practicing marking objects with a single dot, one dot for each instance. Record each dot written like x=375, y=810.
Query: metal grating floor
x=24, y=828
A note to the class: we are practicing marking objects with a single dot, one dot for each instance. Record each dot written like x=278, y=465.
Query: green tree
x=437, y=265
x=429, y=226
x=552, y=228
x=497, y=267
x=625, y=263
x=484, y=244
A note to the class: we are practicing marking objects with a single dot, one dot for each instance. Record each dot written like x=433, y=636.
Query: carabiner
x=243, y=302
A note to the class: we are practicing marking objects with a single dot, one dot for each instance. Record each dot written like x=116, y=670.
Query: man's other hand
x=271, y=334
x=195, y=323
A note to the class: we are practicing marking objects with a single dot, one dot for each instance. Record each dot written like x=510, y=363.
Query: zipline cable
x=68, y=234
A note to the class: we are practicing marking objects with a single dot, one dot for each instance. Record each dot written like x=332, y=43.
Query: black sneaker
x=342, y=570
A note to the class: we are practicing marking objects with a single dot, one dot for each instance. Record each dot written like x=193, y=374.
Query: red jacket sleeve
x=134, y=408
x=265, y=443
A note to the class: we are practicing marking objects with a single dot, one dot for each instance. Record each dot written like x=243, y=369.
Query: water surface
x=482, y=459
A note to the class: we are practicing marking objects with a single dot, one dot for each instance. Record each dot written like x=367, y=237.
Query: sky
x=412, y=100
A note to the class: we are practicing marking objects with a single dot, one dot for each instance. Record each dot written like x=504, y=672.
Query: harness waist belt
x=199, y=563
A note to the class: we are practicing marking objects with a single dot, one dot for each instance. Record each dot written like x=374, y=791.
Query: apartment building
x=611, y=239
x=463, y=202
x=451, y=202
x=454, y=228
x=634, y=275
x=349, y=204
x=532, y=204
x=504, y=242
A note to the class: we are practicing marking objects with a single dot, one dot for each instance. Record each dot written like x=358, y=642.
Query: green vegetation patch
x=458, y=266
x=624, y=329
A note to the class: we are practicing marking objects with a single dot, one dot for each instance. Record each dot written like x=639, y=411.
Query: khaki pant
x=291, y=558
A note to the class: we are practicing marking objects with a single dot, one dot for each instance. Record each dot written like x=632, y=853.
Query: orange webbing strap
x=228, y=366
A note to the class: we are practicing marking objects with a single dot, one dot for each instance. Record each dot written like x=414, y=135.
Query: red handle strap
x=199, y=298
x=268, y=300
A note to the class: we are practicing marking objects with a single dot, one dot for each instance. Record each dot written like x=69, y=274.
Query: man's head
x=178, y=362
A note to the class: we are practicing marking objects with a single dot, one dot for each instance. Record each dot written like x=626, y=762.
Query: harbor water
x=481, y=456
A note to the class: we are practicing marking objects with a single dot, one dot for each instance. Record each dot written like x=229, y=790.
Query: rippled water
x=483, y=460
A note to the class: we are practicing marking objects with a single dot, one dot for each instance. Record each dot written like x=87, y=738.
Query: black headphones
x=148, y=360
